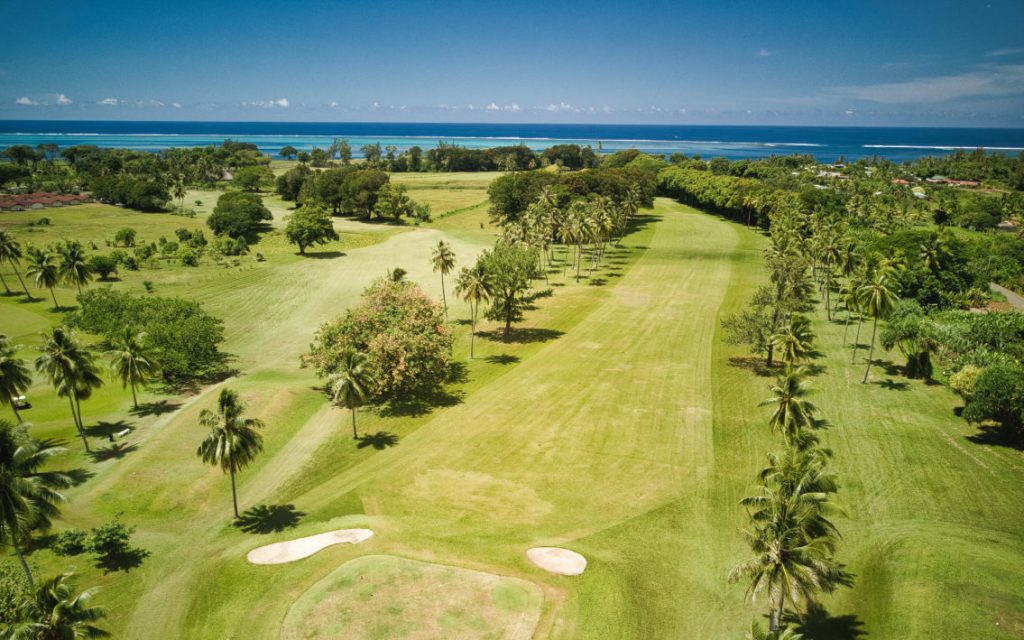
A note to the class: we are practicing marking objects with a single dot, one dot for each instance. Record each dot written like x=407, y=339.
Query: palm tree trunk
x=846, y=329
x=776, y=617
x=234, y=494
x=355, y=434
x=579, y=260
x=472, y=331
x=856, y=342
x=828, y=294
x=7, y=289
x=444, y=296
x=871, y=352
x=18, y=273
x=78, y=283
x=17, y=414
x=54, y=295
x=78, y=423
x=24, y=565
x=135, y=400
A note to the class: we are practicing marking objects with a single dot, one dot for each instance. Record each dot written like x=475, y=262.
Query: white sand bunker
x=557, y=560
x=300, y=548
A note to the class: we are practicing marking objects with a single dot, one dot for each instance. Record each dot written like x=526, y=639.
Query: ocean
x=733, y=142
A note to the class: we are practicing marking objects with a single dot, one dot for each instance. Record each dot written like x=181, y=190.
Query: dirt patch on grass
x=378, y=597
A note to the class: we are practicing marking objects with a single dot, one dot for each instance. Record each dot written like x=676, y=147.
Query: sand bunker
x=300, y=548
x=556, y=560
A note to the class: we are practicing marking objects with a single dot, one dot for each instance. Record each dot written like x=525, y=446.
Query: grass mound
x=388, y=597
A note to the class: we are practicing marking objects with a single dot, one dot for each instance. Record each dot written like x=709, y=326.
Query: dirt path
x=1013, y=299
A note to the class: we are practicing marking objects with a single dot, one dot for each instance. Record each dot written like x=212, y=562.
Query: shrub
x=188, y=257
x=125, y=237
x=70, y=542
x=965, y=380
x=13, y=588
x=401, y=330
x=102, y=265
x=238, y=214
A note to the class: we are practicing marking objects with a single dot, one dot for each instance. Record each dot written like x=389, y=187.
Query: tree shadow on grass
x=115, y=451
x=124, y=561
x=323, y=255
x=892, y=385
x=755, y=365
x=379, y=441
x=269, y=518
x=420, y=404
x=503, y=358
x=995, y=435
x=156, y=408
x=522, y=336
x=103, y=429
x=817, y=623
x=597, y=282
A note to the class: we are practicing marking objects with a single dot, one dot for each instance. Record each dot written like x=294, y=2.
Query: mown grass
x=619, y=426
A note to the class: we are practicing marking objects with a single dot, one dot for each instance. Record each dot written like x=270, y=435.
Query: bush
x=111, y=544
x=188, y=257
x=964, y=381
x=186, y=337
x=232, y=246
x=999, y=395
x=70, y=542
x=13, y=589
x=102, y=265
x=125, y=237
x=401, y=330
x=238, y=214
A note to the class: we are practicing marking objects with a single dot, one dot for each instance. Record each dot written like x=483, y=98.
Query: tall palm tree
x=443, y=260
x=28, y=496
x=234, y=440
x=54, y=612
x=71, y=370
x=877, y=299
x=796, y=341
x=10, y=250
x=43, y=271
x=133, y=360
x=14, y=375
x=72, y=265
x=350, y=386
x=793, y=413
x=474, y=286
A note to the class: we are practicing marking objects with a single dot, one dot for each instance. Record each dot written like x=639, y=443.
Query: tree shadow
x=78, y=477
x=419, y=404
x=115, y=451
x=522, y=336
x=323, y=255
x=103, y=429
x=817, y=623
x=597, y=282
x=379, y=441
x=269, y=518
x=892, y=385
x=995, y=435
x=503, y=358
x=157, y=408
x=126, y=560
x=757, y=366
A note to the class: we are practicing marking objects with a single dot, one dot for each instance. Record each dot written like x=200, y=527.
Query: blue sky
x=863, y=62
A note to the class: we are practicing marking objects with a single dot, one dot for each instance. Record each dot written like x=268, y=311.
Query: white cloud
x=176, y=105
x=108, y=102
x=334, y=104
x=514, y=108
x=63, y=99
x=983, y=81
x=492, y=107
x=26, y=102
x=375, y=105
x=561, y=106
x=607, y=109
x=282, y=102
x=850, y=112
x=764, y=53
x=999, y=53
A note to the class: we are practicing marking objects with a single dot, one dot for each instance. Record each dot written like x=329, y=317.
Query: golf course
x=615, y=422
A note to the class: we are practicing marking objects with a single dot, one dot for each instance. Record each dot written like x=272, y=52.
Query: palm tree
x=53, y=612
x=133, y=360
x=877, y=300
x=796, y=341
x=234, y=440
x=28, y=496
x=43, y=271
x=14, y=375
x=350, y=386
x=443, y=260
x=70, y=369
x=10, y=250
x=474, y=286
x=853, y=303
x=72, y=266
x=793, y=413
x=934, y=253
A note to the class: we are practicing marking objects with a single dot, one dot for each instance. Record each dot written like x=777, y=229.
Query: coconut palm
x=234, y=440
x=10, y=250
x=72, y=265
x=934, y=253
x=43, y=271
x=443, y=260
x=350, y=386
x=28, y=496
x=71, y=370
x=134, y=361
x=54, y=612
x=793, y=413
x=474, y=286
x=796, y=341
x=14, y=375
x=877, y=299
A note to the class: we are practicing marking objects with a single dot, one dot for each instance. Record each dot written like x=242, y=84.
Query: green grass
x=620, y=427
